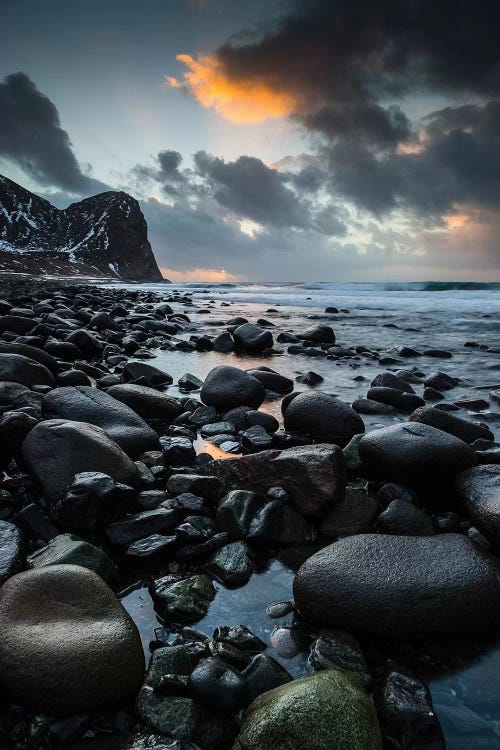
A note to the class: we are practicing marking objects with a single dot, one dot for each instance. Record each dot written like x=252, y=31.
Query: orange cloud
x=456, y=221
x=239, y=101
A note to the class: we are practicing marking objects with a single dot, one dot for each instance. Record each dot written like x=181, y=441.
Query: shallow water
x=464, y=677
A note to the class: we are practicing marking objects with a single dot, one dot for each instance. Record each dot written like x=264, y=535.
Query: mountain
x=105, y=235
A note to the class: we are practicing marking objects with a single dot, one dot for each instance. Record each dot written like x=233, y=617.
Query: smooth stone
x=148, y=403
x=57, y=449
x=141, y=525
x=89, y=405
x=441, y=381
x=327, y=710
x=310, y=378
x=68, y=645
x=151, y=375
x=369, y=406
x=231, y=564
x=401, y=586
x=325, y=418
x=406, y=402
x=252, y=338
x=415, y=454
x=15, y=368
x=228, y=387
x=390, y=380
x=68, y=549
x=93, y=501
x=255, y=417
x=479, y=489
x=460, y=428
x=218, y=685
x=314, y=476
x=223, y=343
x=272, y=380
x=318, y=335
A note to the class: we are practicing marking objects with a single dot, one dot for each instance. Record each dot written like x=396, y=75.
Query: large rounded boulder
x=15, y=368
x=227, y=387
x=328, y=710
x=415, y=454
x=401, y=586
x=67, y=645
x=252, y=338
x=86, y=404
x=323, y=417
x=57, y=449
x=148, y=403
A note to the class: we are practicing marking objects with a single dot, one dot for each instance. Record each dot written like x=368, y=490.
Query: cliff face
x=105, y=235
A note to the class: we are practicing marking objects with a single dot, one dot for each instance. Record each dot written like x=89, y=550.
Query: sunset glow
x=199, y=274
x=241, y=102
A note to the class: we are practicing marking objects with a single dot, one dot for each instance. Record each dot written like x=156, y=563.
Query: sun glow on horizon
x=200, y=274
x=239, y=101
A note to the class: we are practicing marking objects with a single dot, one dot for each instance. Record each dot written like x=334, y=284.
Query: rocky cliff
x=105, y=235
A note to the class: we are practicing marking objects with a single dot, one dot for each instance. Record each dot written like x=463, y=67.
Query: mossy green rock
x=328, y=710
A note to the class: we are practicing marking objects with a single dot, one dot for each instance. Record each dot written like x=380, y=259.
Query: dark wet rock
x=63, y=350
x=150, y=375
x=37, y=526
x=179, y=716
x=406, y=714
x=141, y=525
x=272, y=380
x=153, y=548
x=369, y=406
x=218, y=685
x=196, y=529
x=437, y=353
x=352, y=515
x=183, y=599
x=12, y=550
x=415, y=454
x=460, y=428
x=276, y=522
x=240, y=637
x=263, y=674
x=314, y=476
x=17, y=396
x=335, y=649
x=68, y=549
x=405, y=402
x=57, y=449
x=280, y=609
x=252, y=338
x=237, y=510
x=86, y=342
x=430, y=394
x=67, y=643
x=148, y=403
x=207, y=487
x=255, y=417
x=479, y=489
x=94, y=500
x=228, y=387
x=255, y=439
x=391, y=491
x=323, y=417
x=189, y=382
x=223, y=343
x=401, y=586
x=14, y=368
x=72, y=378
x=310, y=378
x=406, y=351
x=217, y=428
x=16, y=324
x=327, y=710
x=178, y=451
x=390, y=380
x=441, y=381
x=318, y=335
x=30, y=352
x=472, y=404
x=84, y=404
x=231, y=564
x=404, y=518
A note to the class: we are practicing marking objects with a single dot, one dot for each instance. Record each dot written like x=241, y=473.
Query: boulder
x=68, y=645
x=15, y=368
x=318, y=335
x=401, y=586
x=227, y=387
x=405, y=402
x=84, y=404
x=252, y=338
x=148, y=403
x=479, y=489
x=415, y=454
x=12, y=550
x=463, y=429
x=68, y=549
x=57, y=449
x=323, y=417
x=272, y=380
x=313, y=475
x=390, y=380
x=328, y=710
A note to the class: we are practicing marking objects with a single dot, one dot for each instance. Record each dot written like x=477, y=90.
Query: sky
x=268, y=140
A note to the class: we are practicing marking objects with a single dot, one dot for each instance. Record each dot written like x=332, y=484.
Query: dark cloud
x=342, y=60
x=31, y=136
